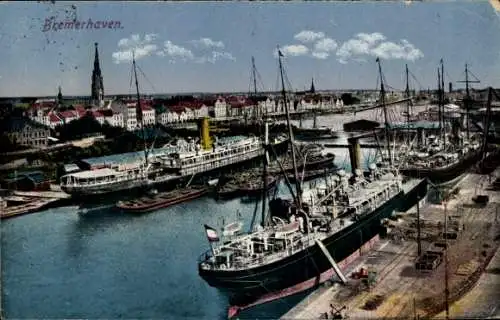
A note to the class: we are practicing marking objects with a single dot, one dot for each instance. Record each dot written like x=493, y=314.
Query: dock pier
x=402, y=291
x=24, y=202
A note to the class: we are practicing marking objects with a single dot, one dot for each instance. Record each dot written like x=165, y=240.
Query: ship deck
x=296, y=241
x=400, y=291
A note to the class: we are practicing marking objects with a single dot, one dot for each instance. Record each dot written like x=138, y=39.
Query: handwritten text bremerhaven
x=52, y=25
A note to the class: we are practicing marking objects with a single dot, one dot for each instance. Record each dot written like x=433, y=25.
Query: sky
x=207, y=46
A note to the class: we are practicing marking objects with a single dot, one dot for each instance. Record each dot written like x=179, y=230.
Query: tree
x=111, y=132
x=79, y=128
x=7, y=145
x=349, y=99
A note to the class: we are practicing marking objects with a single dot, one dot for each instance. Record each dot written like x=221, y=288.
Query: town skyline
x=210, y=56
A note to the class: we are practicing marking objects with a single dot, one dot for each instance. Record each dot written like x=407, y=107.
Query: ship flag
x=211, y=234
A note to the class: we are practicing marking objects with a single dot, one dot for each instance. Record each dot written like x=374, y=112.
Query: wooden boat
x=244, y=188
x=312, y=163
x=162, y=200
x=9, y=207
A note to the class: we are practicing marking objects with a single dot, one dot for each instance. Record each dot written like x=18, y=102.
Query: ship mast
x=290, y=133
x=139, y=110
x=442, y=102
x=254, y=78
x=486, y=126
x=407, y=95
x=467, y=98
x=382, y=102
x=264, y=173
x=440, y=117
x=264, y=219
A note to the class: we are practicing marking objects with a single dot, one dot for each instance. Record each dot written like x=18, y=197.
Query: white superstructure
x=187, y=160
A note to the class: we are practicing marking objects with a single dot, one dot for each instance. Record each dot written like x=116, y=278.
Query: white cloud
x=135, y=40
x=323, y=48
x=356, y=49
x=374, y=45
x=150, y=37
x=320, y=55
x=215, y=56
x=404, y=50
x=175, y=52
x=207, y=43
x=141, y=47
x=326, y=45
x=371, y=37
x=293, y=50
x=308, y=36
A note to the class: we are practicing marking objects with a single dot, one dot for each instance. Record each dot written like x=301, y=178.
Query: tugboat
x=157, y=201
x=301, y=244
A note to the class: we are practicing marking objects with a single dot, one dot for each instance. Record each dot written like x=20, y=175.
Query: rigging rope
x=131, y=78
x=421, y=87
x=144, y=75
x=470, y=72
x=258, y=81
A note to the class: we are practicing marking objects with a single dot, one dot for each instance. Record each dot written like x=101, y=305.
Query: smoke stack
x=451, y=87
x=206, y=141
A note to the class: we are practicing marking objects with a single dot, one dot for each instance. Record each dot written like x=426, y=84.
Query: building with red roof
x=128, y=111
x=241, y=106
x=55, y=120
x=68, y=116
x=80, y=109
x=221, y=108
x=169, y=114
x=111, y=117
x=148, y=114
x=98, y=116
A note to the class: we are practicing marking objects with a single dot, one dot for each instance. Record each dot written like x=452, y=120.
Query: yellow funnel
x=206, y=141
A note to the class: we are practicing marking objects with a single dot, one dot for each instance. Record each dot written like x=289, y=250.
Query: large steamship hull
x=138, y=186
x=444, y=174
x=244, y=287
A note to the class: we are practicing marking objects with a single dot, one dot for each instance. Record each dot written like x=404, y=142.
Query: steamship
x=182, y=164
x=292, y=252
x=187, y=161
x=303, y=242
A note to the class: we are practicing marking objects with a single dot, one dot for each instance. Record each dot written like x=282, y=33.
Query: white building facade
x=220, y=108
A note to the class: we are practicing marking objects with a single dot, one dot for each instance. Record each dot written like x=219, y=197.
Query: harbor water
x=60, y=263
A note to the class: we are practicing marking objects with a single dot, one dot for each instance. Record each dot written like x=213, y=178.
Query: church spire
x=312, y=90
x=97, y=95
x=96, y=59
x=59, y=97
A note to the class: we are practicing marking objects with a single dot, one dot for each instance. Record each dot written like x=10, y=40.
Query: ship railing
x=250, y=153
x=205, y=256
x=246, y=261
x=103, y=182
x=219, y=162
x=298, y=245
